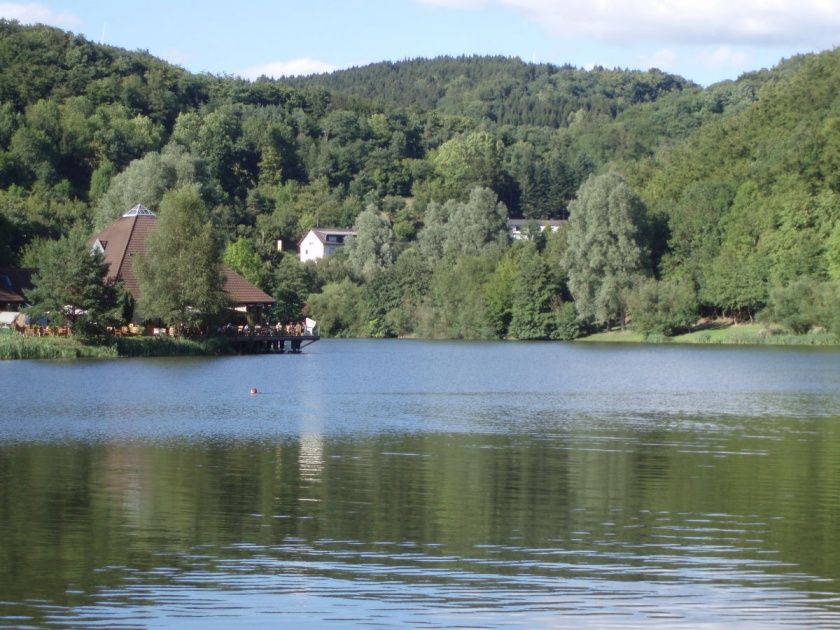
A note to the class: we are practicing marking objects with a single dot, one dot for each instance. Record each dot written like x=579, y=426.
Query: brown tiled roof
x=243, y=292
x=126, y=237
x=13, y=282
x=122, y=240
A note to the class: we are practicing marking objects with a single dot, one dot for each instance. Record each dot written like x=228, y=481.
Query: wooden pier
x=266, y=342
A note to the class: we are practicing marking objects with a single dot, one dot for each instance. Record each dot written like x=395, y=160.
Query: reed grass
x=17, y=346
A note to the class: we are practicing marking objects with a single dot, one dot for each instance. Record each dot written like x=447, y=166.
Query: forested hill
x=733, y=188
x=752, y=201
x=502, y=89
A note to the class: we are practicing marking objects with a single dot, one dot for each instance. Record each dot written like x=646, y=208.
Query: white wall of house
x=325, y=242
x=517, y=229
x=311, y=248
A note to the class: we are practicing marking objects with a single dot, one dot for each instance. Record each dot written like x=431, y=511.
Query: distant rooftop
x=139, y=211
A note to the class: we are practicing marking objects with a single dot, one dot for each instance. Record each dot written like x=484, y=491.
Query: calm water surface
x=424, y=484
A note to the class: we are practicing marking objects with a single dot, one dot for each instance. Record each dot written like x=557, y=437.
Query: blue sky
x=702, y=40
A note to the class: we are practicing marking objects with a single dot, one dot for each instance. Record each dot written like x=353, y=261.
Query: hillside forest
x=683, y=202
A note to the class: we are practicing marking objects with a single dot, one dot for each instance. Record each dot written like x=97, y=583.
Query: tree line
x=704, y=201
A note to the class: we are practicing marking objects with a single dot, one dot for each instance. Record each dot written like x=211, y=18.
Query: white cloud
x=696, y=22
x=724, y=56
x=37, y=13
x=289, y=68
x=664, y=59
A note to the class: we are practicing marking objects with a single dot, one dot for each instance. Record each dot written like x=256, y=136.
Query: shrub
x=662, y=307
x=567, y=325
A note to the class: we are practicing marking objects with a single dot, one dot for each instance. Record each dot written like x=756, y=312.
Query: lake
x=433, y=484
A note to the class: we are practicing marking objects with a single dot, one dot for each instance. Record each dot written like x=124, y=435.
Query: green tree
x=736, y=281
x=241, y=257
x=457, y=298
x=337, y=309
x=372, y=248
x=606, y=247
x=498, y=293
x=293, y=282
x=533, y=296
x=147, y=180
x=180, y=274
x=662, y=307
x=478, y=223
x=796, y=306
x=469, y=161
x=832, y=252
x=71, y=286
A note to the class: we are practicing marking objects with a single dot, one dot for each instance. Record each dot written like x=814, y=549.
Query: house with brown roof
x=123, y=240
x=13, y=283
x=322, y=242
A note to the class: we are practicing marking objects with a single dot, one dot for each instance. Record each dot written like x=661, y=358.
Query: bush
x=804, y=305
x=567, y=325
x=662, y=307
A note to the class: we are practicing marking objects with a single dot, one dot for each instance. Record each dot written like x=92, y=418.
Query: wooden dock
x=265, y=342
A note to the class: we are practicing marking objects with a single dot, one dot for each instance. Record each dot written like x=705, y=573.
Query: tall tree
x=532, y=313
x=373, y=246
x=180, y=274
x=71, y=286
x=606, y=247
x=476, y=224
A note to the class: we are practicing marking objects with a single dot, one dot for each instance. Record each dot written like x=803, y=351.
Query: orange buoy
x=253, y=391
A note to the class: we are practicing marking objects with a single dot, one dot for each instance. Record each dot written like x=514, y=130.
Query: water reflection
x=313, y=505
x=311, y=459
x=422, y=529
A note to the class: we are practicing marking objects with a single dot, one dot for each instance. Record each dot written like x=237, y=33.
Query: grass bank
x=15, y=346
x=724, y=334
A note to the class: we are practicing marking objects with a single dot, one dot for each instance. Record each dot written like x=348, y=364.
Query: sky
x=702, y=40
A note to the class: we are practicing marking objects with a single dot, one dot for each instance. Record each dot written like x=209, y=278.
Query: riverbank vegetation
x=683, y=202
x=723, y=333
x=16, y=346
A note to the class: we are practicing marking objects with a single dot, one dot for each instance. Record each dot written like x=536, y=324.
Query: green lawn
x=615, y=336
x=725, y=333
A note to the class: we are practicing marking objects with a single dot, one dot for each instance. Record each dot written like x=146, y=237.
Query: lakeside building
x=124, y=239
x=13, y=283
x=519, y=229
x=319, y=243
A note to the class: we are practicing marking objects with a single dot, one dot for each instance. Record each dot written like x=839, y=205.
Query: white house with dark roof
x=322, y=242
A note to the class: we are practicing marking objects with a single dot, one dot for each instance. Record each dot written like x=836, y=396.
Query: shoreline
x=724, y=335
x=17, y=347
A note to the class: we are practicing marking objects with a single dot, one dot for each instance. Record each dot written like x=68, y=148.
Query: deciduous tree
x=180, y=275
x=71, y=286
x=606, y=247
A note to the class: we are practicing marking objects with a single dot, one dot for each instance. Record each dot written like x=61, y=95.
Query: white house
x=322, y=242
x=518, y=228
